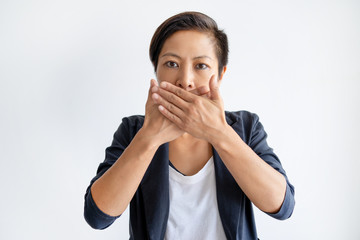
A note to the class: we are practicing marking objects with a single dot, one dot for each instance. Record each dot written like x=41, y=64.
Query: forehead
x=189, y=43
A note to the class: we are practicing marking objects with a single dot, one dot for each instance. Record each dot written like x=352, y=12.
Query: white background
x=70, y=70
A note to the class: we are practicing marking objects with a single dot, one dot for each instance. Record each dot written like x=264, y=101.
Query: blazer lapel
x=155, y=188
x=228, y=194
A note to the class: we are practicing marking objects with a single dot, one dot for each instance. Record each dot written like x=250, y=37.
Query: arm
x=261, y=183
x=111, y=192
x=204, y=118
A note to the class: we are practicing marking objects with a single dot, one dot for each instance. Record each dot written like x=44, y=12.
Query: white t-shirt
x=194, y=210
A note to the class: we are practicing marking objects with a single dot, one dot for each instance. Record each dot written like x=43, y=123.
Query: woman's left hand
x=201, y=115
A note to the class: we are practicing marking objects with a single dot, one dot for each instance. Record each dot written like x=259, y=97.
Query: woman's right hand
x=156, y=125
x=113, y=191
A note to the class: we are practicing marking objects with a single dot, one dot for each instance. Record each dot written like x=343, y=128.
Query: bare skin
x=189, y=154
x=187, y=111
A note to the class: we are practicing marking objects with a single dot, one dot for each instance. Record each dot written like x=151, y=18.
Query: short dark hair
x=190, y=21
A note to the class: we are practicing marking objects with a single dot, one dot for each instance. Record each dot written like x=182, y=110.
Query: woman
x=189, y=169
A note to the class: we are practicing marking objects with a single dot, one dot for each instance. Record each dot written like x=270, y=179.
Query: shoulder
x=245, y=123
x=130, y=126
x=134, y=121
x=241, y=117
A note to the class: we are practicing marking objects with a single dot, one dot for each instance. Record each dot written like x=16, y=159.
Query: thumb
x=214, y=88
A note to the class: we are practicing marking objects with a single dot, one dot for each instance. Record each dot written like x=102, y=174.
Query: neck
x=187, y=141
x=189, y=154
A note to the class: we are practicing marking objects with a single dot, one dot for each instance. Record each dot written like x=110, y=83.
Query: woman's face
x=188, y=60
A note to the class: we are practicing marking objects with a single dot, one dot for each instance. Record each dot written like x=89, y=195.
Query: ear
x=221, y=75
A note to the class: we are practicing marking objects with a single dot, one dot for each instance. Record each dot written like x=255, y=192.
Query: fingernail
x=155, y=96
x=163, y=84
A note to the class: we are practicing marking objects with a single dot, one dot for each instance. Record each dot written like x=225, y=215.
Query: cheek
x=203, y=77
x=166, y=75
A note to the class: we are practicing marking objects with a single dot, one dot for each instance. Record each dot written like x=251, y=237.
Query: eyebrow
x=177, y=56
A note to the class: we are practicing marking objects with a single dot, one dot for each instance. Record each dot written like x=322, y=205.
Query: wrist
x=148, y=139
x=219, y=137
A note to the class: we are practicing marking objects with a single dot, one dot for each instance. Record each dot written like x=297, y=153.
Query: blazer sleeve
x=93, y=215
x=257, y=141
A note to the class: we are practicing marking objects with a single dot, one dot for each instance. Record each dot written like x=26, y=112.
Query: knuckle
x=197, y=101
x=172, y=98
x=172, y=117
x=178, y=92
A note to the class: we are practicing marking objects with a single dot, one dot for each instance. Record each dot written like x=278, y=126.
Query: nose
x=185, y=79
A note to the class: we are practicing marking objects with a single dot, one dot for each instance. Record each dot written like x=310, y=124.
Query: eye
x=201, y=66
x=171, y=64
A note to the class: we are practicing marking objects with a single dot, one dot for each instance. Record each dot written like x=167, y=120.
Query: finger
x=172, y=117
x=153, y=83
x=170, y=98
x=214, y=88
x=181, y=93
x=158, y=99
x=202, y=90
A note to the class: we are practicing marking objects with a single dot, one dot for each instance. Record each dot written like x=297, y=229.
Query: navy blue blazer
x=149, y=208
